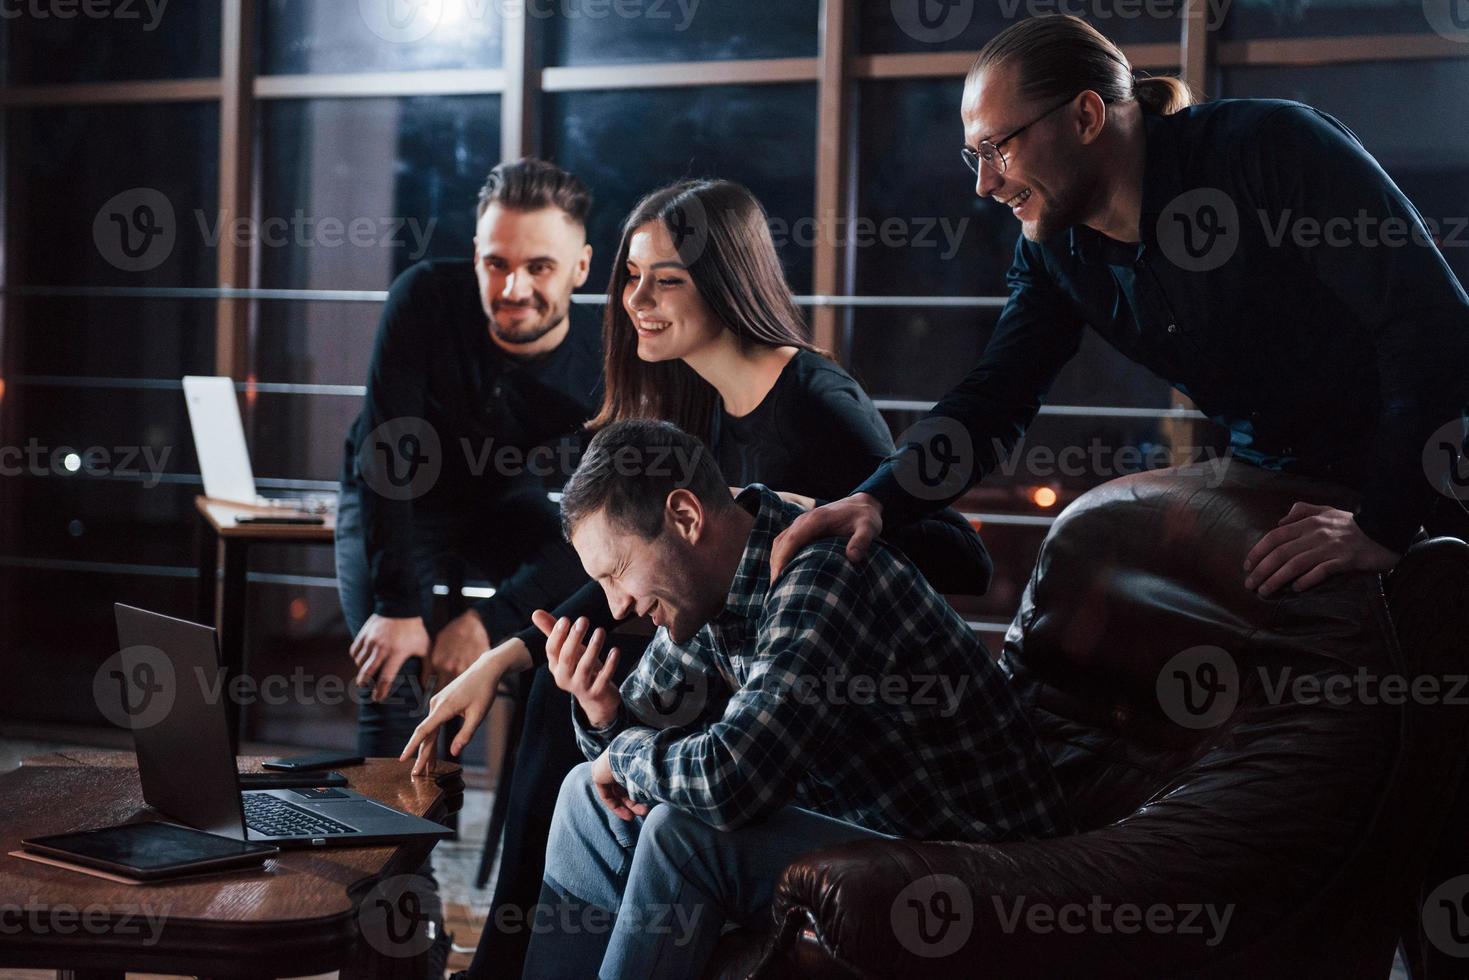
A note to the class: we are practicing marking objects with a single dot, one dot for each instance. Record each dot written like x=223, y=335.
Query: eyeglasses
x=990, y=152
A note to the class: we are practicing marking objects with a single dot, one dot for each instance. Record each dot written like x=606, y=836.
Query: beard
x=1062, y=209
x=530, y=331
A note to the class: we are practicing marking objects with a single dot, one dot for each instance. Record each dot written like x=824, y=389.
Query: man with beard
x=1190, y=237
x=478, y=368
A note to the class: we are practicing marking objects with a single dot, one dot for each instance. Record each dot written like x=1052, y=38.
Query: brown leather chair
x=1220, y=753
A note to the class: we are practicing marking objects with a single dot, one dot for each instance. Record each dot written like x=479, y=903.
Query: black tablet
x=150, y=851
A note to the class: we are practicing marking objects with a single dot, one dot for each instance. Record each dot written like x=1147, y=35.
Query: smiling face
x=666, y=578
x=1049, y=179
x=528, y=263
x=671, y=319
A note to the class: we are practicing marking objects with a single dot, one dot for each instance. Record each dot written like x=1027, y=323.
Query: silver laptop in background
x=224, y=458
x=219, y=439
x=187, y=767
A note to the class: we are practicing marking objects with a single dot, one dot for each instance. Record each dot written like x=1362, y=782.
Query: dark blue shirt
x=1294, y=294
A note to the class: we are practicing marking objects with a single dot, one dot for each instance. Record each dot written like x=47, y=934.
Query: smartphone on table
x=312, y=760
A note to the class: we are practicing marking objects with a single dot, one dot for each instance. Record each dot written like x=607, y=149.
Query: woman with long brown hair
x=700, y=330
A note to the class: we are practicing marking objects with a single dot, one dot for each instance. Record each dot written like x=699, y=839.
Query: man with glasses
x=1249, y=251
x=991, y=153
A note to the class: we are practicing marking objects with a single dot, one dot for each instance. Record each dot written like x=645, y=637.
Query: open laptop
x=219, y=442
x=188, y=768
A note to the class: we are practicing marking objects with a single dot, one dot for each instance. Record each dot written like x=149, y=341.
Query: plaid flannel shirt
x=852, y=690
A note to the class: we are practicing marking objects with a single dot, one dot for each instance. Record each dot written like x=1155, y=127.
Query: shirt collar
x=1162, y=182
x=751, y=583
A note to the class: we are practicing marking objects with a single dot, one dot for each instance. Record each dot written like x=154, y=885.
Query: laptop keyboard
x=274, y=817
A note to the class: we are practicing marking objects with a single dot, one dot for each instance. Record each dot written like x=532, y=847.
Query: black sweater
x=440, y=381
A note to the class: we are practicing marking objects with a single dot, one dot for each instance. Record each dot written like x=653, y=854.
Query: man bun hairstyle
x=1060, y=55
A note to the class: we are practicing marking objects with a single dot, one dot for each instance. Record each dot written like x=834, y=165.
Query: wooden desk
x=225, y=541
x=302, y=913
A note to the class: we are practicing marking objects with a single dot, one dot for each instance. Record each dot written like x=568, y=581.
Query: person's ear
x=683, y=514
x=584, y=265
x=1091, y=117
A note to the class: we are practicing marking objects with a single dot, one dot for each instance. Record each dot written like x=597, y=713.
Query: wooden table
x=225, y=541
x=303, y=912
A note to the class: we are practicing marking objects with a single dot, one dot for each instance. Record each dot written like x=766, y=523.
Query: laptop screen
x=219, y=439
x=170, y=678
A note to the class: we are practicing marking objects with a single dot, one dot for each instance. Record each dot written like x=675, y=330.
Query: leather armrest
x=1045, y=909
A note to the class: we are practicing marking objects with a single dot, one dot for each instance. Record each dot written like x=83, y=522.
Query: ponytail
x=1162, y=95
x=1061, y=56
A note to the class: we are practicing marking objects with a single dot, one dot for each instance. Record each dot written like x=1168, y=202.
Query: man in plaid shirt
x=838, y=703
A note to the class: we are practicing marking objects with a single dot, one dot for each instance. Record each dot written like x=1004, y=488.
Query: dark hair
x=1060, y=56
x=531, y=185
x=723, y=238
x=630, y=467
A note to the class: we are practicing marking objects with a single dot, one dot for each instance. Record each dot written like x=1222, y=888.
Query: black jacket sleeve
x=979, y=422
x=396, y=387
x=847, y=437
x=589, y=601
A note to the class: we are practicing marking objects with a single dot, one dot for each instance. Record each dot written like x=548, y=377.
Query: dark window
x=404, y=172
x=1299, y=18
x=297, y=436
x=627, y=143
x=110, y=41
x=92, y=489
x=99, y=469
x=108, y=337
x=631, y=31
x=59, y=630
x=95, y=211
x=301, y=37
x=893, y=26
x=949, y=241
x=314, y=342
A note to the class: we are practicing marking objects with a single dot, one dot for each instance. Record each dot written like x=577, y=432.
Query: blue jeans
x=547, y=752
x=649, y=897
